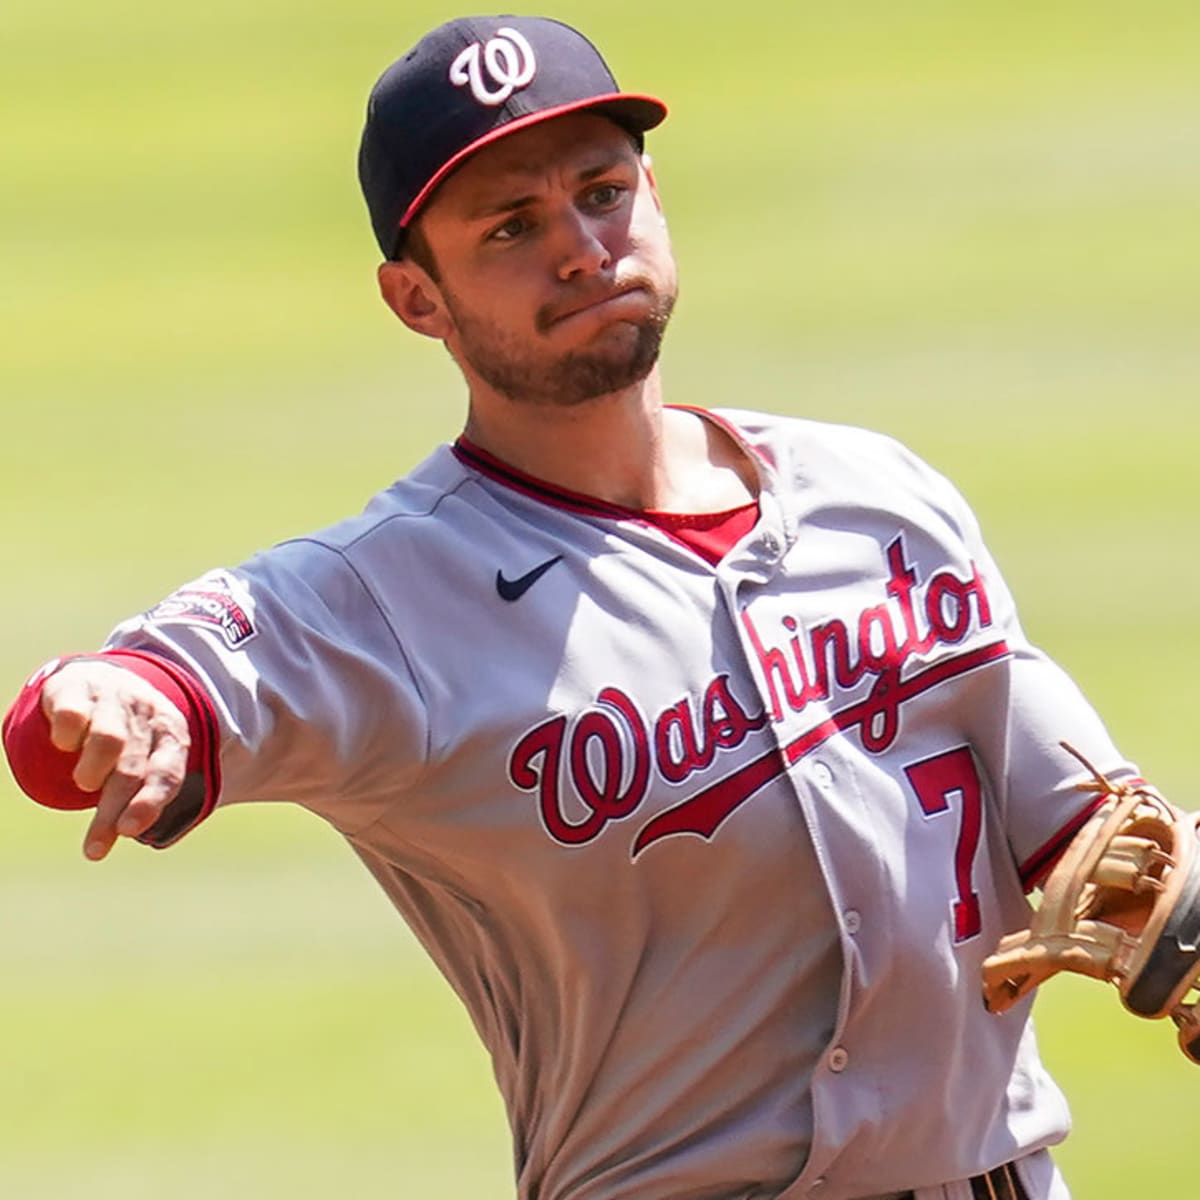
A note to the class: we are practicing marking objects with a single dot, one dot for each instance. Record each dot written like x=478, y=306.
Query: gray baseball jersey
x=712, y=855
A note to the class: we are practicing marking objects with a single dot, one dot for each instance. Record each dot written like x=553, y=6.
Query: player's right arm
x=115, y=733
x=290, y=680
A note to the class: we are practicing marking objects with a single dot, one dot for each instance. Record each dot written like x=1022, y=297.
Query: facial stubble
x=619, y=356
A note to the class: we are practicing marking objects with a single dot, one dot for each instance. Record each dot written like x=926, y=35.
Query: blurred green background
x=973, y=226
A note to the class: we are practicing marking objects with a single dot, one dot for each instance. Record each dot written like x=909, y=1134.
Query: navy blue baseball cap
x=463, y=86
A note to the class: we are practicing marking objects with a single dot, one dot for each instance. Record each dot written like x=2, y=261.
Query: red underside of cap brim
x=641, y=112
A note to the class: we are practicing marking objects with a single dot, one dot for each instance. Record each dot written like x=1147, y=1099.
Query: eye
x=512, y=228
x=605, y=195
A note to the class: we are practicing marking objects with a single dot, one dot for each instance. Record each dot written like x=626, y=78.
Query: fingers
x=132, y=744
x=137, y=790
x=117, y=736
x=166, y=768
x=67, y=700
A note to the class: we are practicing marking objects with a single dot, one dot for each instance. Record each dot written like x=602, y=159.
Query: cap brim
x=636, y=113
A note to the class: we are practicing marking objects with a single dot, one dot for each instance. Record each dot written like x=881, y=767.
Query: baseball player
x=703, y=751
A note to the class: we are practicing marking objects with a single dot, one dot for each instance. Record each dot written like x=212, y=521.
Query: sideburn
x=417, y=249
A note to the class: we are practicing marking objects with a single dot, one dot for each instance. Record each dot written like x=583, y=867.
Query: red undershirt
x=711, y=535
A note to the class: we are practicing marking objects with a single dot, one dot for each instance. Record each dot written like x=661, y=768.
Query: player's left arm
x=1022, y=707
x=1118, y=865
x=1120, y=904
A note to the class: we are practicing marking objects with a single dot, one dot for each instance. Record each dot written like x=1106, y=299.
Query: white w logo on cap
x=509, y=63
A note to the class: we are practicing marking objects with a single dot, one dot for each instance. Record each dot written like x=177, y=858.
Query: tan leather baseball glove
x=1121, y=904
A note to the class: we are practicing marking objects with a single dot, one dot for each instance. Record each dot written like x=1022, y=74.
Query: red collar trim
x=529, y=485
x=488, y=464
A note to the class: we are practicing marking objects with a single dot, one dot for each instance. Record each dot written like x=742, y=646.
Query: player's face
x=552, y=261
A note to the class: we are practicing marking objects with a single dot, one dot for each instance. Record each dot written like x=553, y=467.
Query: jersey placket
x=814, y=783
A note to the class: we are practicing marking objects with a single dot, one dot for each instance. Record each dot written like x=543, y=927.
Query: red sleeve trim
x=43, y=772
x=1040, y=863
x=198, y=796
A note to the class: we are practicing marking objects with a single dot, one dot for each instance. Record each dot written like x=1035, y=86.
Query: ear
x=410, y=293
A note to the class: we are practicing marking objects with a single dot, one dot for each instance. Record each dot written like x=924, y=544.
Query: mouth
x=629, y=296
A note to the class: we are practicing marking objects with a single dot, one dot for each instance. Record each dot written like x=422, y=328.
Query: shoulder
x=813, y=449
x=818, y=465
x=327, y=565
x=417, y=497
x=416, y=505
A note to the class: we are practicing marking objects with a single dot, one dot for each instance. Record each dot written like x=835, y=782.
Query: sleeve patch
x=210, y=602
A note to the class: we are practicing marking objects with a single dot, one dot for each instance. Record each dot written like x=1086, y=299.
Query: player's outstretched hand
x=132, y=744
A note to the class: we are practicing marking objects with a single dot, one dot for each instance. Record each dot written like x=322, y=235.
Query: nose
x=582, y=250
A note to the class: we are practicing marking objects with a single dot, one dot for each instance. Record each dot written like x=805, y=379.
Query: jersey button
x=822, y=775
x=770, y=543
x=852, y=919
x=838, y=1058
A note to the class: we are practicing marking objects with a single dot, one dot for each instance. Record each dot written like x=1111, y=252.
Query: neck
x=623, y=448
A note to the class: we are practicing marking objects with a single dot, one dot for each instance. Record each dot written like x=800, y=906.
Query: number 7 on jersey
x=952, y=776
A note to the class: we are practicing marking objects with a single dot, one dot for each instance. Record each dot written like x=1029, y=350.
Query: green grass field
x=972, y=226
